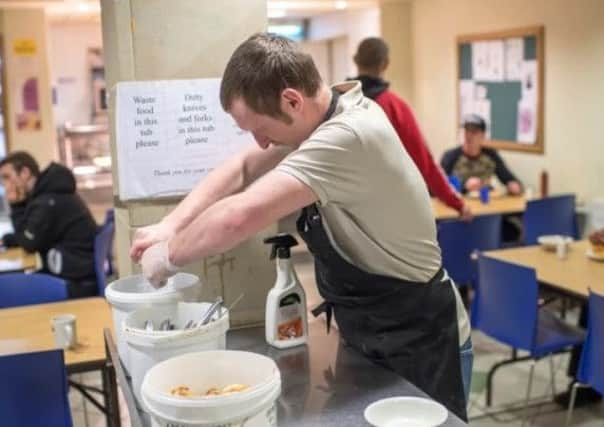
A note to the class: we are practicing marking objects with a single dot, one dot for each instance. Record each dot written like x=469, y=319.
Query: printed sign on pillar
x=170, y=134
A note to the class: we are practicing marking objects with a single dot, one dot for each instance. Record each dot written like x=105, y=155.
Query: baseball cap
x=474, y=121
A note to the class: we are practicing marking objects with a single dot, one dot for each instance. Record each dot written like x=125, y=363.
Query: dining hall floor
x=509, y=385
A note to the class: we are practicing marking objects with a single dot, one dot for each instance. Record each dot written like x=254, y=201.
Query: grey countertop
x=326, y=383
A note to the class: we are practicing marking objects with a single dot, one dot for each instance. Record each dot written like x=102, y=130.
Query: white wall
x=574, y=92
x=69, y=43
x=355, y=25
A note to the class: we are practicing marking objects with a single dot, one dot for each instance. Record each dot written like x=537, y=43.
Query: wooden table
x=573, y=275
x=27, y=328
x=16, y=259
x=497, y=205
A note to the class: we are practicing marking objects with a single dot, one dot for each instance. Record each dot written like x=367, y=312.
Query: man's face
x=15, y=184
x=473, y=138
x=268, y=130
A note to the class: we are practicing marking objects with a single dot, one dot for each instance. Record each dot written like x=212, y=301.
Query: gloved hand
x=156, y=264
x=147, y=236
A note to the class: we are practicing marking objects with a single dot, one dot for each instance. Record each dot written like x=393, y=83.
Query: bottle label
x=289, y=318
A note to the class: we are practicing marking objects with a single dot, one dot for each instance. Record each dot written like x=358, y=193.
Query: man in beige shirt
x=332, y=153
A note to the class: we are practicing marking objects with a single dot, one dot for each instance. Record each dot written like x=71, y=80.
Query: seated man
x=474, y=164
x=50, y=218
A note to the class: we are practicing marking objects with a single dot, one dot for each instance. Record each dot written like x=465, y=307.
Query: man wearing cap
x=372, y=61
x=474, y=164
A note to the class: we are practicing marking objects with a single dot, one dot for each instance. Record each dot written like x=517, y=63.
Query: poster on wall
x=501, y=78
x=26, y=103
x=170, y=134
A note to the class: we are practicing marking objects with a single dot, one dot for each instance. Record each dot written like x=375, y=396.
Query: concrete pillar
x=183, y=39
x=396, y=31
x=29, y=122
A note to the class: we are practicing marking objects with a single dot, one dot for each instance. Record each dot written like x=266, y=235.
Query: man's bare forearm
x=234, y=219
x=231, y=177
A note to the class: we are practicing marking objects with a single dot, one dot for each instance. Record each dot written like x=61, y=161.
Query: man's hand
x=473, y=183
x=156, y=264
x=514, y=188
x=466, y=213
x=148, y=236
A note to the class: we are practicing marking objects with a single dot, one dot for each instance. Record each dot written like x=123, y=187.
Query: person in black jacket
x=474, y=164
x=50, y=218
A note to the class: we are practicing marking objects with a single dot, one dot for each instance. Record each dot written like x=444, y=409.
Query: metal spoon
x=165, y=325
x=189, y=324
x=205, y=319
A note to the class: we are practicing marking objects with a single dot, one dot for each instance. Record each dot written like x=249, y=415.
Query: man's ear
x=292, y=101
x=385, y=64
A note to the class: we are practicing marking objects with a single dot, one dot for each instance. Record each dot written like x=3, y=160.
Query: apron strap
x=324, y=307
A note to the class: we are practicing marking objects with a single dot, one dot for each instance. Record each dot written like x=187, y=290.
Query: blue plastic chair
x=506, y=309
x=103, y=242
x=33, y=390
x=591, y=368
x=110, y=218
x=460, y=240
x=24, y=289
x=550, y=215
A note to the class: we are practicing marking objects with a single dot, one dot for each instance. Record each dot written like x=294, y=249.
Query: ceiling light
x=341, y=4
x=276, y=13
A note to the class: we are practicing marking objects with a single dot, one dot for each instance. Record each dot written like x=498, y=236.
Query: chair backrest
x=550, y=215
x=33, y=390
x=591, y=366
x=110, y=218
x=505, y=303
x=24, y=289
x=459, y=239
x=103, y=242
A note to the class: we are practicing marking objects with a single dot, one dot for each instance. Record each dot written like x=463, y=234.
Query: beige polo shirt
x=375, y=204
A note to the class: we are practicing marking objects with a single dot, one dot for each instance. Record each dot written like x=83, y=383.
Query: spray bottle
x=286, y=323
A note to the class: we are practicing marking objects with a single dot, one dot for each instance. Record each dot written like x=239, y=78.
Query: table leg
x=111, y=395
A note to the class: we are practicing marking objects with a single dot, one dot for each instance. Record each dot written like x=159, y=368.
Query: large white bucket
x=147, y=348
x=129, y=293
x=253, y=407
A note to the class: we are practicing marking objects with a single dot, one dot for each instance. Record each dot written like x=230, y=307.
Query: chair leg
x=528, y=392
x=552, y=375
x=571, y=404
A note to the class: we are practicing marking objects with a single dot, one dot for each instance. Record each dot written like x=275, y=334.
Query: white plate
x=591, y=255
x=550, y=241
x=405, y=411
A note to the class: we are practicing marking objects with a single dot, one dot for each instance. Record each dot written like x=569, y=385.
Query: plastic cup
x=485, y=194
x=455, y=182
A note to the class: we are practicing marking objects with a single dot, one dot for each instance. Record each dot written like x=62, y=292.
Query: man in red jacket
x=372, y=60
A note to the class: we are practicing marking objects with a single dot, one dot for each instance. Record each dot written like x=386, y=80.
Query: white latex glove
x=156, y=265
x=147, y=236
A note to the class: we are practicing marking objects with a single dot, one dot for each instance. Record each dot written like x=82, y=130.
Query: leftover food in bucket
x=185, y=391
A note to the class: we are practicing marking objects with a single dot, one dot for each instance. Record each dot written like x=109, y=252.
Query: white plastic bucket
x=147, y=348
x=129, y=293
x=253, y=407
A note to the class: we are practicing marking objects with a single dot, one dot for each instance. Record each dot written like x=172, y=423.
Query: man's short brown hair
x=371, y=54
x=20, y=160
x=261, y=68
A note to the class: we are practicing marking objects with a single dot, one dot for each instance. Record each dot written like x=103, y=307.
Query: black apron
x=408, y=327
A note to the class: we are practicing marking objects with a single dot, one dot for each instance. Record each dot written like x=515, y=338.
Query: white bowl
x=405, y=411
x=550, y=241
